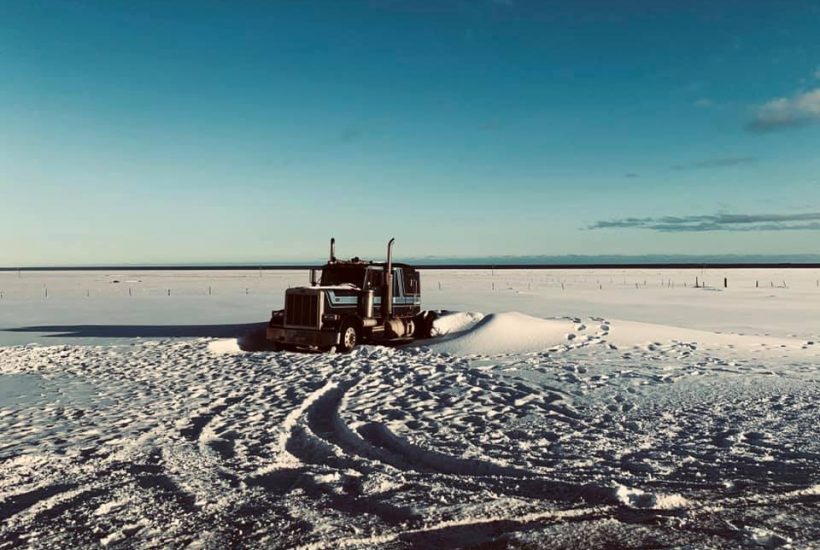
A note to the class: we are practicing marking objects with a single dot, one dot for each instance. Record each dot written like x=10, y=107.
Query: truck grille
x=302, y=310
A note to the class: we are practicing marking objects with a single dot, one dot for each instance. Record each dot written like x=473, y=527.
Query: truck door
x=412, y=289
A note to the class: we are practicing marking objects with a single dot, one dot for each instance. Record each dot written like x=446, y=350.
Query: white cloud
x=808, y=221
x=704, y=103
x=787, y=112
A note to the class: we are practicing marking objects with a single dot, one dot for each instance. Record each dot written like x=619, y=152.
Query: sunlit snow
x=578, y=408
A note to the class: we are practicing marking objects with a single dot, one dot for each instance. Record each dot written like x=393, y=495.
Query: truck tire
x=424, y=324
x=348, y=336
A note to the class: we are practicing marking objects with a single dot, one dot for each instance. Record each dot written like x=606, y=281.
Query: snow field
x=574, y=431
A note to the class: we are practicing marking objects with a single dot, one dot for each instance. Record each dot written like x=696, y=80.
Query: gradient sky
x=160, y=131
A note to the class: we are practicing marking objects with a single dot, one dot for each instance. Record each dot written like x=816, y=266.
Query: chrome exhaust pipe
x=332, y=250
x=387, y=298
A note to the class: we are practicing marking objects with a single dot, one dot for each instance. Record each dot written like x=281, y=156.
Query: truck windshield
x=342, y=275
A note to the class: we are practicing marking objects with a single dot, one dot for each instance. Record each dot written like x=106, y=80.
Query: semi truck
x=349, y=302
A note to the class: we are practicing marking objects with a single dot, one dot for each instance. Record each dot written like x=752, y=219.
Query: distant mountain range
x=621, y=259
x=484, y=261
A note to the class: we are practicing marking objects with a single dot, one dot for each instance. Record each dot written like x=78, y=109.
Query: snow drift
x=499, y=333
x=472, y=333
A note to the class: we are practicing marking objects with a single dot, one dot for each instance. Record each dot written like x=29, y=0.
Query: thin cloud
x=631, y=175
x=787, y=112
x=723, y=162
x=808, y=221
x=704, y=103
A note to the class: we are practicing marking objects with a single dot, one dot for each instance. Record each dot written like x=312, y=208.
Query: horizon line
x=305, y=267
x=524, y=261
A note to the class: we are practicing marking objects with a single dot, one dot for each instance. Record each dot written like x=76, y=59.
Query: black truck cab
x=353, y=301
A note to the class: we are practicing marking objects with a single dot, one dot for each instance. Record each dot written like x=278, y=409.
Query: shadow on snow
x=144, y=331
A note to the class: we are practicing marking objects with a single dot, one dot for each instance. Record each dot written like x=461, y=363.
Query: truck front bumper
x=302, y=337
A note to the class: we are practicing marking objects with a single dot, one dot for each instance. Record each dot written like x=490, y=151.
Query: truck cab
x=353, y=301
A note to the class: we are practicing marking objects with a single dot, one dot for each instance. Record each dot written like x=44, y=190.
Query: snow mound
x=471, y=333
x=765, y=538
x=456, y=321
x=499, y=333
x=224, y=345
x=636, y=498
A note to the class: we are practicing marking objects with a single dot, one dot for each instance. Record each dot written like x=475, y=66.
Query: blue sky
x=218, y=131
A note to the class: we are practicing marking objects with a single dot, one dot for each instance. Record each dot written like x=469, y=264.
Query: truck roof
x=356, y=262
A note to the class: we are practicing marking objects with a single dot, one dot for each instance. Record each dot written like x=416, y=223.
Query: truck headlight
x=330, y=317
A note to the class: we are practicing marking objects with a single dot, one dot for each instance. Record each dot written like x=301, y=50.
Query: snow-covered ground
x=554, y=408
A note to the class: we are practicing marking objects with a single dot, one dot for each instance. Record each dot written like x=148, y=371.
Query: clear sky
x=155, y=131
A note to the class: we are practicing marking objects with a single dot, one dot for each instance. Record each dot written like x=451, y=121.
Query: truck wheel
x=424, y=324
x=348, y=337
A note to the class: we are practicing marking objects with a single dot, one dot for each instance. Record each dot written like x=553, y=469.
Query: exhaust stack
x=332, y=250
x=387, y=297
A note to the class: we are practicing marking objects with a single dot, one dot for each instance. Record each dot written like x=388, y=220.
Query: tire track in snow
x=320, y=436
x=502, y=525
x=19, y=502
x=421, y=459
x=505, y=524
x=50, y=507
x=207, y=440
x=313, y=435
x=199, y=422
x=283, y=459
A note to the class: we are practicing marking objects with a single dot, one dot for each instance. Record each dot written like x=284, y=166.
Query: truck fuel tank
x=366, y=299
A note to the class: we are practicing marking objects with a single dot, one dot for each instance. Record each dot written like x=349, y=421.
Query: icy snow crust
x=513, y=429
